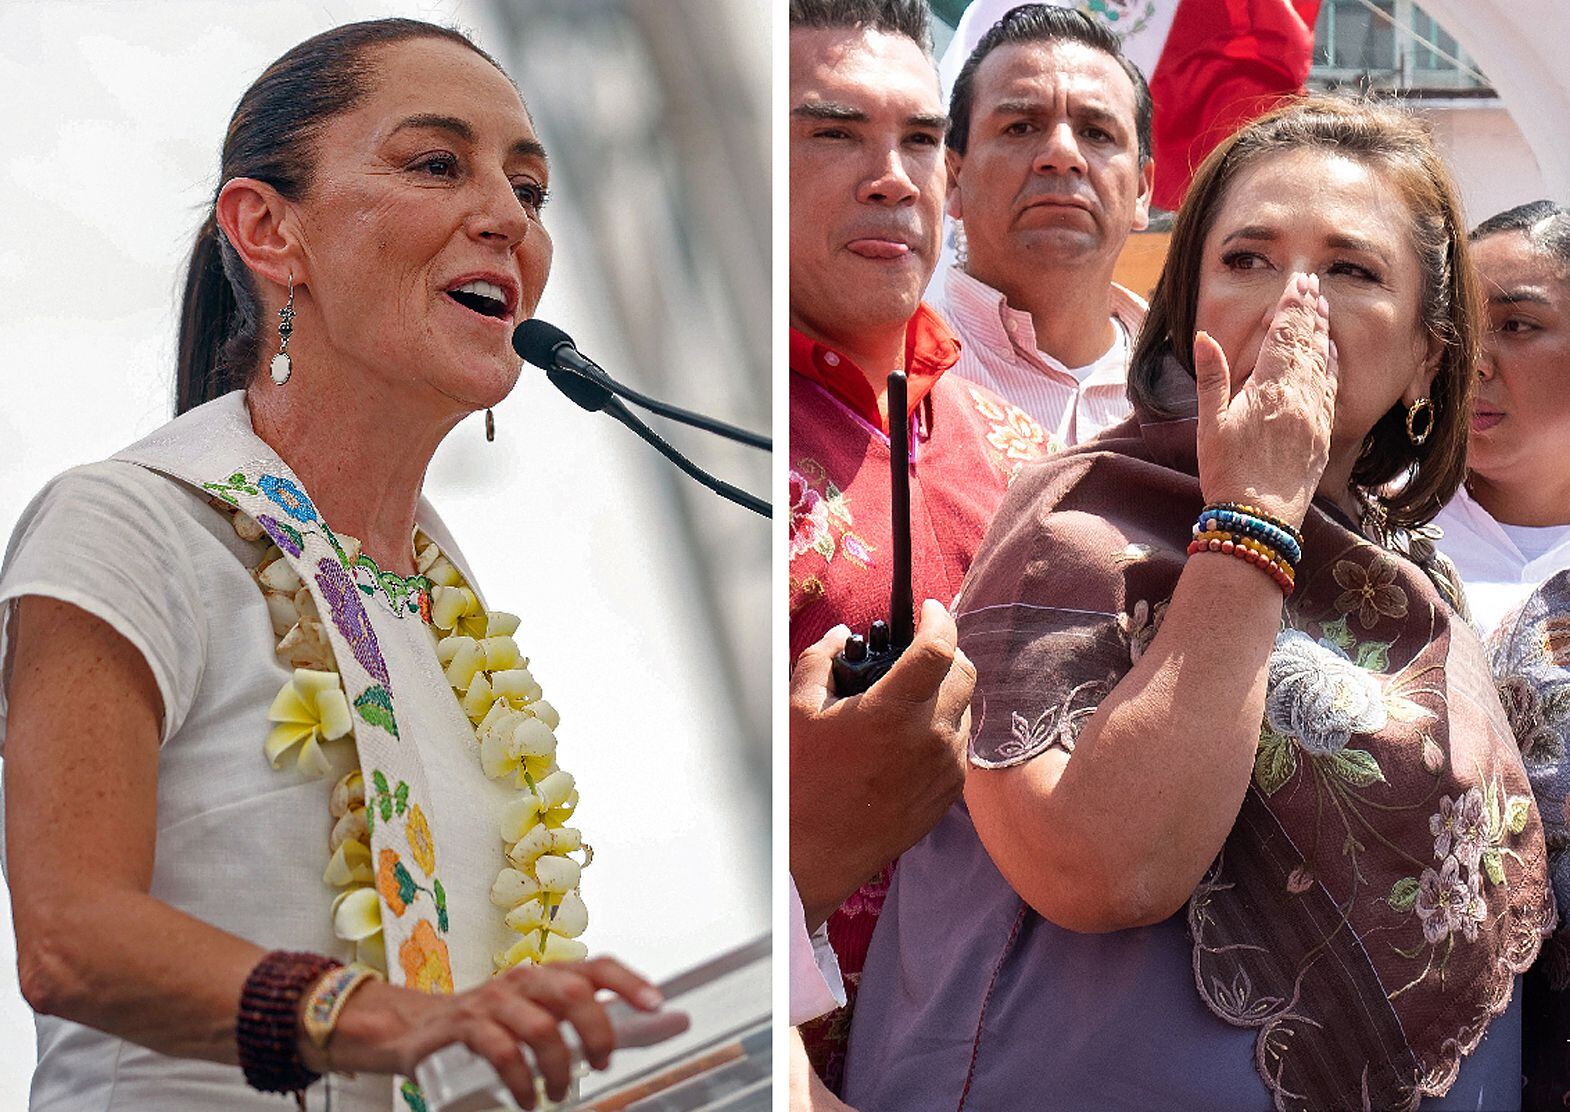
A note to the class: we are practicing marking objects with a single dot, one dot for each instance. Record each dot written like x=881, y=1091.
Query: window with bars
x=1389, y=44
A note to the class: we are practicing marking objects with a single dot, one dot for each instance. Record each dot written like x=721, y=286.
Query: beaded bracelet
x=1245, y=548
x=326, y=1000
x=1253, y=511
x=1288, y=544
x=267, y=1032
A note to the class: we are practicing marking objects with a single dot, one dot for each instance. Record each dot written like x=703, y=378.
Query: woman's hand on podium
x=386, y=1029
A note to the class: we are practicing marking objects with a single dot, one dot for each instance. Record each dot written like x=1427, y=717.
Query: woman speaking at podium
x=281, y=791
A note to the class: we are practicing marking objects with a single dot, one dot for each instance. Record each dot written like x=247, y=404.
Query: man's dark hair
x=894, y=17
x=1043, y=23
x=1545, y=225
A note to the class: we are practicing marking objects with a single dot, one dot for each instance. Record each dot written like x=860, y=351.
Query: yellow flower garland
x=537, y=889
x=515, y=727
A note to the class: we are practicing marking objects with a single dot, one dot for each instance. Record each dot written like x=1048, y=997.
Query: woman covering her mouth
x=260, y=721
x=1245, y=826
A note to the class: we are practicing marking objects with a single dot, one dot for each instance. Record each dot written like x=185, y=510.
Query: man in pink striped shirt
x=1049, y=172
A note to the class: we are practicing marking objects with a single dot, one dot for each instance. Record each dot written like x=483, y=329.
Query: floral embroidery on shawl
x=1056, y=727
x=1341, y=718
x=1370, y=592
x=286, y=537
x=356, y=806
x=423, y=956
x=290, y=497
x=350, y=618
x=401, y=595
x=1380, y=888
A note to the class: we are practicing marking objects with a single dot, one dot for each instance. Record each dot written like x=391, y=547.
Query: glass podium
x=709, y=1049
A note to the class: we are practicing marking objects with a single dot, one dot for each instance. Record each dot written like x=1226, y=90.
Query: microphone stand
x=592, y=394
x=684, y=416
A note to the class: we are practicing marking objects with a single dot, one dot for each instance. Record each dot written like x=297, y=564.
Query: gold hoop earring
x=1422, y=408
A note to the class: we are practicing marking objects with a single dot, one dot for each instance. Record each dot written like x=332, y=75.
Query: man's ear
x=256, y=220
x=1147, y=189
x=952, y=203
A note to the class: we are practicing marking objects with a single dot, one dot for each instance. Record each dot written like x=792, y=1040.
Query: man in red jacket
x=872, y=773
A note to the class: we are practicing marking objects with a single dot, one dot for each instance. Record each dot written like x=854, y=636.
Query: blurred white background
x=644, y=598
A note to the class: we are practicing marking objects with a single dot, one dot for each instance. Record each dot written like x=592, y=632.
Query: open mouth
x=485, y=298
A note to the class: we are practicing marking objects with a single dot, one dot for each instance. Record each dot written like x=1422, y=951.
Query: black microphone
x=590, y=395
x=586, y=384
x=548, y=347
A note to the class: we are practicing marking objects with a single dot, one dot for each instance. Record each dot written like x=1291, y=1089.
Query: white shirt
x=240, y=845
x=816, y=985
x=999, y=350
x=1500, y=565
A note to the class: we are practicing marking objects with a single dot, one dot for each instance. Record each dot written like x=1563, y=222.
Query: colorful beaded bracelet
x=1245, y=549
x=326, y=1000
x=1254, y=511
x=1236, y=521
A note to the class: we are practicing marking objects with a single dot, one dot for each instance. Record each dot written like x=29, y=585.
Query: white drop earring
x=280, y=366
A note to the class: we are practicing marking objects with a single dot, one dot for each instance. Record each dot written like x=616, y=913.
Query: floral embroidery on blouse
x=1530, y=656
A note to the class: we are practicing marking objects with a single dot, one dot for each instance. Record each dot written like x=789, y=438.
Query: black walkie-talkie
x=864, y=660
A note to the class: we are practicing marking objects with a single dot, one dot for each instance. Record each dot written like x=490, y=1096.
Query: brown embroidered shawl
x=1386, y=877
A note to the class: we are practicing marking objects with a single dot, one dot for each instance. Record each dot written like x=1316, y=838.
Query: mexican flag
x=1212, y=65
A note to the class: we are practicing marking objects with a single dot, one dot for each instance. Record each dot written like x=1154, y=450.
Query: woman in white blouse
x=1508, y=528
x=241, y=744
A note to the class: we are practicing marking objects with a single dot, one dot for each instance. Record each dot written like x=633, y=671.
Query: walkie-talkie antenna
x=902, y=622
x=864, y=659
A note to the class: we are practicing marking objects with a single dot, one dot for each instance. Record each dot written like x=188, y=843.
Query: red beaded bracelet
x=1244, y=548
x=268, y=1031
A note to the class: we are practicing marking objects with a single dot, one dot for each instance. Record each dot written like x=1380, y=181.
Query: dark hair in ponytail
x=271, y=138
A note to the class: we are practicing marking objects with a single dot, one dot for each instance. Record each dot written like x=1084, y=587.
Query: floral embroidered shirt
x=966, y=445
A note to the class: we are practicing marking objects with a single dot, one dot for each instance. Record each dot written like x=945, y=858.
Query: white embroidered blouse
x=240, y=845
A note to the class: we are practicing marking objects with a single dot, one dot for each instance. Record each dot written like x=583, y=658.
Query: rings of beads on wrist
x=1255, y=512
x=1250, y=525
x=1250, y=550
x=267, y=1028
